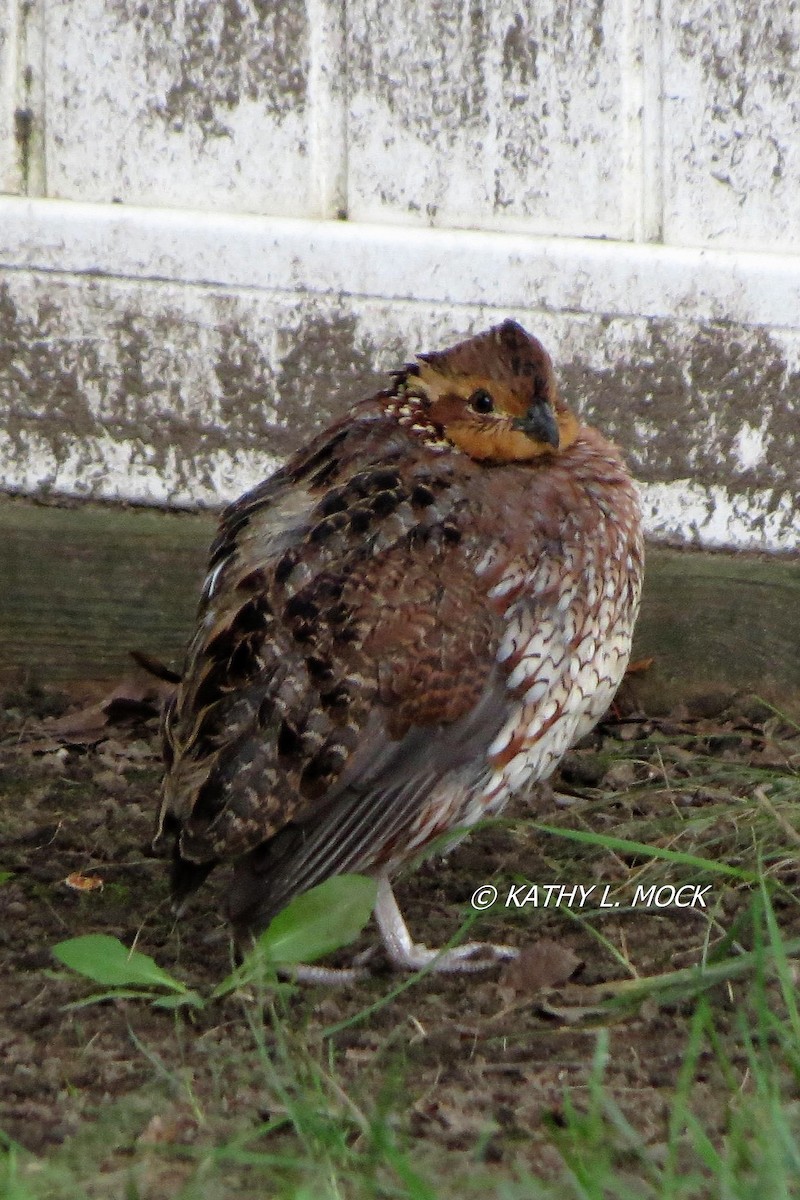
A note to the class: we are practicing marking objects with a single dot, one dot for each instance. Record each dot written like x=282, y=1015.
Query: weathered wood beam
x=83, y=585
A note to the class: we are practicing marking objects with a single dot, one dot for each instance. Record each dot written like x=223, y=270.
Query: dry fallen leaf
x=165, y=1131
x=84, y=883
x=81, y=728
x=47, y=747
x=130, y=698
x=540, y=965
x=88, y=725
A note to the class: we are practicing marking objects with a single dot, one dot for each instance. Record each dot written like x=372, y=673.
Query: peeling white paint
x=731, y=151
x=184, y=105
x=750, y=447
x=688, y=512
x=501, y=116
x=107, y=468
x=617, y=176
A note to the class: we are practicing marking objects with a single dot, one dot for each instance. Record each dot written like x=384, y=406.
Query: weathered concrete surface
x=163, y=394
x=187, y=103
x=497, y=115
x=627, y=119
x=731, y=114
x=168, y=391
x=586, y=275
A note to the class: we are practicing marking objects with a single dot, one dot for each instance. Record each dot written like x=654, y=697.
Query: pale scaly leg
x=406, y=955
x=325, y=976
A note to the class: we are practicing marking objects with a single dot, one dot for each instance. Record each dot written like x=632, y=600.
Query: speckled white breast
x=566, y=658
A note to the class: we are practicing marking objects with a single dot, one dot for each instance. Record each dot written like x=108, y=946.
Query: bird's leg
x=331, y=976
x=406, y=955
x=326, y=976
x=403, y=953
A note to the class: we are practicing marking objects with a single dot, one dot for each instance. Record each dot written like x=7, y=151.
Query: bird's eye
x=481, y=401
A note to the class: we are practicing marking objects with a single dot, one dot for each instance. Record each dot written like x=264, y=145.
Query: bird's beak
x=539, y=424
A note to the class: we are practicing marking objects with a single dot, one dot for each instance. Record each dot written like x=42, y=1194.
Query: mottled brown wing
x=365, y=822
x=344, y=662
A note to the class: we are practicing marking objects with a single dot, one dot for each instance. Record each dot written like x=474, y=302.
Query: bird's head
x=493, y=396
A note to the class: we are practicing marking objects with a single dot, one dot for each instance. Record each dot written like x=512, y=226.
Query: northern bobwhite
x=407, y=623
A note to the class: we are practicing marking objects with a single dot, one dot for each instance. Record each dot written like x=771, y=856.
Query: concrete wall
x=180, y=306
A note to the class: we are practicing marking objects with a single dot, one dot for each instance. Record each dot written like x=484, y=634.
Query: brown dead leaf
x=89, y=725
x=85, y=727
x=540, y=965
x=622, y=775
x=128, y=691
x=132, y=697
x=168, y=1131
x=577, y=1014
x=84, y=883
x=82, y=692
x=47, y=747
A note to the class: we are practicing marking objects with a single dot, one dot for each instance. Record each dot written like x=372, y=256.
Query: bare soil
x=479, y=1066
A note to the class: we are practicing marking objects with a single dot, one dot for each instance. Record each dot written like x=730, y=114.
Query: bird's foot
x=407, y=955
x=472, y=956
x=466, y=959
x=402, y=952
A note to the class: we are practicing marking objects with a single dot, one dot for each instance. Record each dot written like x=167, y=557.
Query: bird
x=408, y=623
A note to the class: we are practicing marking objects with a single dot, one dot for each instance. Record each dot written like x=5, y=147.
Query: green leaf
x=314, y=924
x=192, y=999
x=5, y=876
x=320, y=921
x=106, y=960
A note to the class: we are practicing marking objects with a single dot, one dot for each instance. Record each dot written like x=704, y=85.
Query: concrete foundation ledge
x=174, y=358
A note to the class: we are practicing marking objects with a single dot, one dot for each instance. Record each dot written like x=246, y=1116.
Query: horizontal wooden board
x=82, y=586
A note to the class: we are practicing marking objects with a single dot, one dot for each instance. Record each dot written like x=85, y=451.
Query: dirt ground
x=478, y=1067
